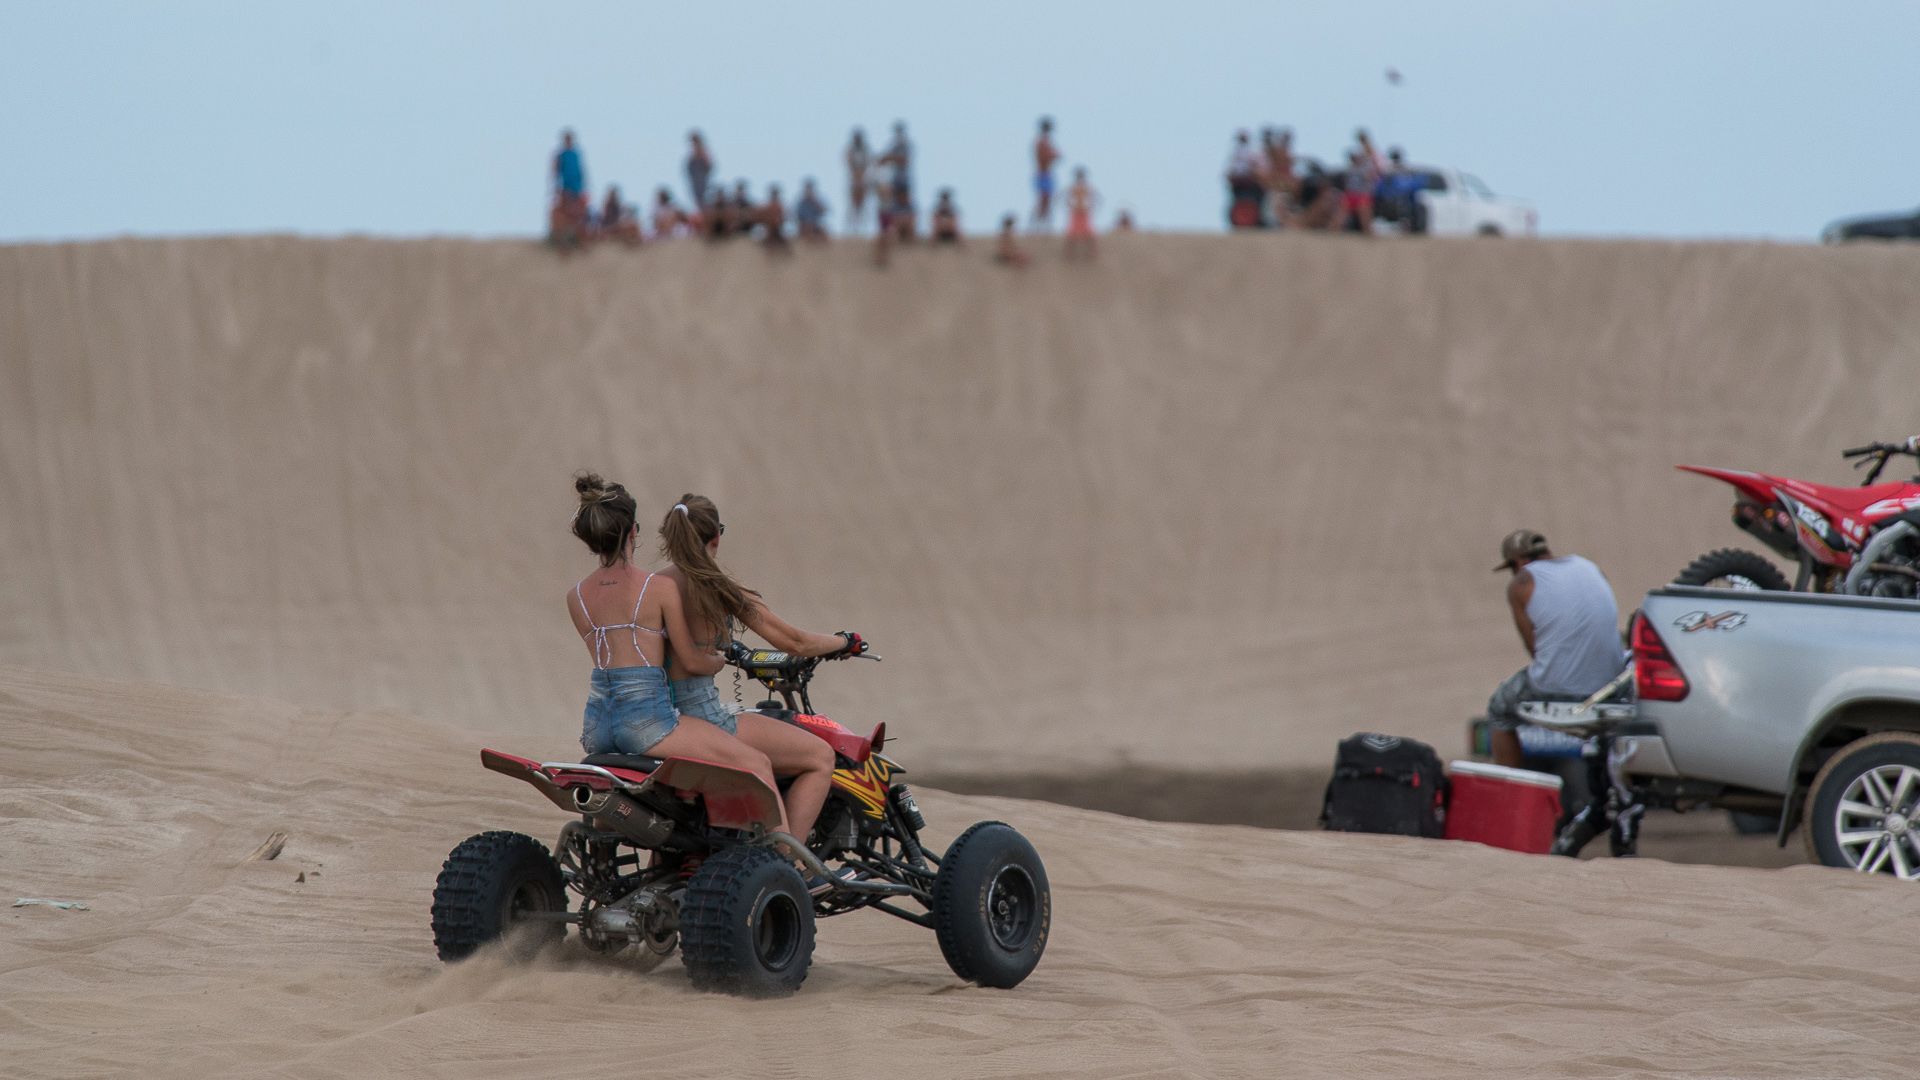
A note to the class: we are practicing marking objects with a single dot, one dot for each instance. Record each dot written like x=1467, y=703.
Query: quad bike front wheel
x=1733, y=568
x=746, y=924
x=992, y=908
x=489, y=888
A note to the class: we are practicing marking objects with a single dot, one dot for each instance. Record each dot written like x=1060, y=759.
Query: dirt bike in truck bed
x=681, y=854
x=1861, y=541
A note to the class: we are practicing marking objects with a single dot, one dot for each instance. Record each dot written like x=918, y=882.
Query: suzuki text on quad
x=1864, y=541
x=680, y=853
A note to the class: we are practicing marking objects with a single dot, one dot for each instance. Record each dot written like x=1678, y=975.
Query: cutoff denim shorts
x=699, y=697
x=629, y=709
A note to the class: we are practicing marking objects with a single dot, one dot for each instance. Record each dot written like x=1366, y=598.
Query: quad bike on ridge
x=682, y=853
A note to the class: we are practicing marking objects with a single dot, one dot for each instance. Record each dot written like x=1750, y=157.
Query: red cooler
x=1502, y=807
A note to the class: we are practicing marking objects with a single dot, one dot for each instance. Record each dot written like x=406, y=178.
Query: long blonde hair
x=713, y=597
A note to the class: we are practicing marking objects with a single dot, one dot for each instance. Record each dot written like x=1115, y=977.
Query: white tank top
x=1576, y=627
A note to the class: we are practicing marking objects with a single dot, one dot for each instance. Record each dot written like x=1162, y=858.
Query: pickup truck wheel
x=1732, y=568
x=1864, y=810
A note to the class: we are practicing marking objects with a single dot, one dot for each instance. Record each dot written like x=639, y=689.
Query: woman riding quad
x=690, y=539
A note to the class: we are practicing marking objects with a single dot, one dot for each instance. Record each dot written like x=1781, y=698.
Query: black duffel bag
x=1385, y=784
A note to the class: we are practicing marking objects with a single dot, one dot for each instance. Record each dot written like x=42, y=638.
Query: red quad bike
x=682, y=853
x=1860, y=540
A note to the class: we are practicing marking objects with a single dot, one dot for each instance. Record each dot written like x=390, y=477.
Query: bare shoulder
x=1521, y=586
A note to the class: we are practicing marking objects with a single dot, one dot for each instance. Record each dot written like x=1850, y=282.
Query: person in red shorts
x=1081, y=199
x=1364, y=169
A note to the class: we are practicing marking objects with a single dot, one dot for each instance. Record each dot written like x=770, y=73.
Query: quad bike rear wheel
x=488, y=888
x=746, y=924
x=1733, y=568
x=992, y=908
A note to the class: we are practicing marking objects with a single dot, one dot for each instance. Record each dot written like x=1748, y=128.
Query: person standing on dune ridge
x=699, y=167
x=569, y=169
x=1564, y=611
x=1081, y=200
x=859, y=161
x=1045, y=156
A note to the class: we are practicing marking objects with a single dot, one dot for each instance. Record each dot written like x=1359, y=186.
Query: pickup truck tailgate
x=1764, y=670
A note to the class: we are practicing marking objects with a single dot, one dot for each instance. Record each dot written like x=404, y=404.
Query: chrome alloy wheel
x=1878, y=822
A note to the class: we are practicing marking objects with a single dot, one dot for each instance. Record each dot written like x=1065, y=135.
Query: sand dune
x=1214, y=500
x=284, y=534
x=1179, y=950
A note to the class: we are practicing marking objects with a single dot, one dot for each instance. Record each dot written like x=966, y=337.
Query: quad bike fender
x=529, y=770
x=844, y=742
x=735, y=798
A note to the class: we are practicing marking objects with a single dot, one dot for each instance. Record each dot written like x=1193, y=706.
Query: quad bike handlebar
x=782, y=672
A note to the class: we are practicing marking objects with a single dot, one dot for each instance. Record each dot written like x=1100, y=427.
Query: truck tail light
x=1655, y=675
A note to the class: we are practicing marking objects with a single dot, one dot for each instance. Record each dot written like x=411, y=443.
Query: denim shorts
x=629, y=709
x=699, y=697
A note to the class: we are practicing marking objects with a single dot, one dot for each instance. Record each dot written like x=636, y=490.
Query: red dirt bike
x=1860, y=540
x=683, y=853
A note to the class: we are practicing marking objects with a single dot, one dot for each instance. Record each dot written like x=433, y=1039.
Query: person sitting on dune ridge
x=1007, y=250
x=944, y=222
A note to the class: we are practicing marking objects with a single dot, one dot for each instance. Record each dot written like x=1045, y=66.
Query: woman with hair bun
x=690, y=539
x=628, y=617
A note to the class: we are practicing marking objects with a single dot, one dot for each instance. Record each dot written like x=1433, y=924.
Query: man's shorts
x=1043, y=183
x=1503, y=708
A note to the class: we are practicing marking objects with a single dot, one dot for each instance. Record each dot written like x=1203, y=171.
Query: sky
x=1661, y=118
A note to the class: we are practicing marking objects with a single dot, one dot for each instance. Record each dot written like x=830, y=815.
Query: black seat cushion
x=637, y=762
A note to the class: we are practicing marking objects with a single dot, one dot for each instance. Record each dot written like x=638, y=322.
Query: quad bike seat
x=636, y=762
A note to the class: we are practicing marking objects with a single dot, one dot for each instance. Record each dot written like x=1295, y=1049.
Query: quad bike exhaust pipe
x=614, y=812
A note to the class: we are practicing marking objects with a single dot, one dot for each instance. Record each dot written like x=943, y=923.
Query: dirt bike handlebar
x=1877, y=455
x=1881, y=448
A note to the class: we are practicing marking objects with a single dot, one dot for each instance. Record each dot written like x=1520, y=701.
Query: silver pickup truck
x=1802, y=703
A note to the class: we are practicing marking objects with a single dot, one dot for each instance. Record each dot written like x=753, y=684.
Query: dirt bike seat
x=1851, y=500
x=636, y=762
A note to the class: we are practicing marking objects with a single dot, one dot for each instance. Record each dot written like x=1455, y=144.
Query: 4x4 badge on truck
x=1700, y=620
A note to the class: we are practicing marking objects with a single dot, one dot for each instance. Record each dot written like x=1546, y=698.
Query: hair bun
x=593, y=488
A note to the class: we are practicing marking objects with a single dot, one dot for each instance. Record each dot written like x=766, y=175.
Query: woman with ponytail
x=627, y=617
x=690, y=539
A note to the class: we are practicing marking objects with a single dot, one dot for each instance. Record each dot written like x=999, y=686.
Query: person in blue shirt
x=569, y=171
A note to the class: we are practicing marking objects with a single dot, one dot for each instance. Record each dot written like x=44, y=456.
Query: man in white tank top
x=1566, y=616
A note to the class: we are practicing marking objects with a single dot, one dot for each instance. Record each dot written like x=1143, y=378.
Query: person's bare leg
x=796, y=753
x=695, y=738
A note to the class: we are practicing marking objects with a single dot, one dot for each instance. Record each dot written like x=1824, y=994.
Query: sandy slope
x=1214, y=500
x=1178, y=950
x=1210, y=502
